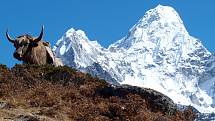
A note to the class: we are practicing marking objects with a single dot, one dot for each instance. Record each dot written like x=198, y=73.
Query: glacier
x=157, y=53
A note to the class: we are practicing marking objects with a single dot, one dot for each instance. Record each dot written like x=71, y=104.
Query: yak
x=33, y=50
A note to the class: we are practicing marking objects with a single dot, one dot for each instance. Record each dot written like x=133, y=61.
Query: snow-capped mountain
x=157, y=53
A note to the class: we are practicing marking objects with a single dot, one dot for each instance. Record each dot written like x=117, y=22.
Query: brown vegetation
x=46, y=93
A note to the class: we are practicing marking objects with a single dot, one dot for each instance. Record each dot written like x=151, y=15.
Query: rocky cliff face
x=207, y=78
x=157, y=53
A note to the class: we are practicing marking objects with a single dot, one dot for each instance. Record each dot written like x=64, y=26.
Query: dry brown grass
x=63, y=94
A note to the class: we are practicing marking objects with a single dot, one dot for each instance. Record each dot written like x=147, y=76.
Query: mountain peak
x=157, y=53
x=76, y=33
x=165, y=13
x=162, y=22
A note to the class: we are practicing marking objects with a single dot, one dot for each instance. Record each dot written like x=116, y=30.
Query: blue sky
x=103, y=20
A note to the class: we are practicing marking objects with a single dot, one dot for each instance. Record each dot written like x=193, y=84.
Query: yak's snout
x=17, y=56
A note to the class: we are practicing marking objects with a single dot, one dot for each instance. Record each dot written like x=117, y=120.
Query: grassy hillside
x=46, y=93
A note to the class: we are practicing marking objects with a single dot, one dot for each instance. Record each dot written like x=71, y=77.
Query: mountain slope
x=157, y=53
x=207, y=78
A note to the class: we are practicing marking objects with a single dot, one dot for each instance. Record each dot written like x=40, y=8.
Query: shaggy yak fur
x=31, y=50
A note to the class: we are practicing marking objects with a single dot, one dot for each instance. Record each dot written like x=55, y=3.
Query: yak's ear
x=46, y=44
x=33, y=44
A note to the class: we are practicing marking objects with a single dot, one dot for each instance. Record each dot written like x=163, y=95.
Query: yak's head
x=24, y=44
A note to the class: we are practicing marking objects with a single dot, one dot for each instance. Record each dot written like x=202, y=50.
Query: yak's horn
x=9, y=38
x=40, y=36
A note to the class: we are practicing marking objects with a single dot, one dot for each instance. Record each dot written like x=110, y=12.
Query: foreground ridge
x=30, y=92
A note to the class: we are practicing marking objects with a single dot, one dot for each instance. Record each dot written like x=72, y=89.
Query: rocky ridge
x=47, y=93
